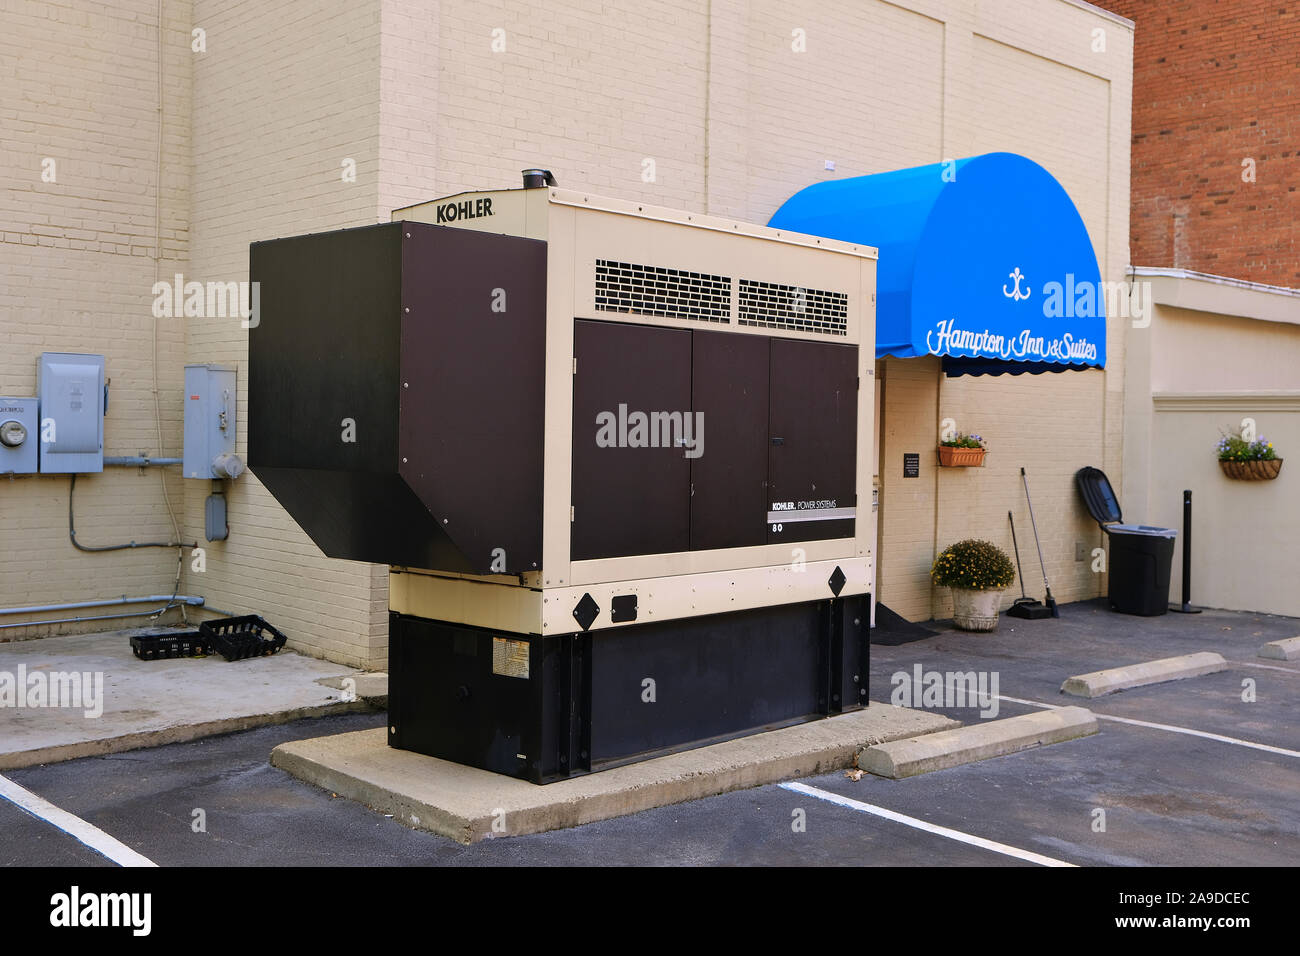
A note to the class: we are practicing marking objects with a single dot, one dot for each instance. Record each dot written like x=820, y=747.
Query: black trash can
x=1140, y=555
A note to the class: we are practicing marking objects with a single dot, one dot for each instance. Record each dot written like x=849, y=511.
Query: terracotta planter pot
x=976, y=610
x=953, y=457
x=1252, y=470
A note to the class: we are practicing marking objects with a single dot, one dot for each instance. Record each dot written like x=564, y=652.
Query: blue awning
x=984, y=261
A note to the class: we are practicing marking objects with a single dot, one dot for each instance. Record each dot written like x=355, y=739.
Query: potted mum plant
x=963, y=451
x=1248, y=460
x=977, y=572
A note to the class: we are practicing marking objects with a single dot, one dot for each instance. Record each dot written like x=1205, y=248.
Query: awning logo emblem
x=1015, y=293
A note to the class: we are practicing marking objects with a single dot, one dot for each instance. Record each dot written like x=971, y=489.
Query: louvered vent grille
x=669, y=293
x=797, y=309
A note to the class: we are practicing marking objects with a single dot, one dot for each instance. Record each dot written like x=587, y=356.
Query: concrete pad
x=148, y=703
x=468, y=805
x=1287, y=649
x=994, y=738
x=1150, y=672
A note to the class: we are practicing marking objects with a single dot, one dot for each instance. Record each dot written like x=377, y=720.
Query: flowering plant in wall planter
x=977, y=572
x=1253, y=460
x=962, y=451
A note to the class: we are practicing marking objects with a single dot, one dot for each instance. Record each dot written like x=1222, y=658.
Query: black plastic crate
x=237, y=638
x=163, y=645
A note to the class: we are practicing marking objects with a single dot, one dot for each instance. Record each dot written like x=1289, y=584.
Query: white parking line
x=74, y=826
x=1204, y=734
x=1267, y=667
x=1268, y=748
x=902, y=818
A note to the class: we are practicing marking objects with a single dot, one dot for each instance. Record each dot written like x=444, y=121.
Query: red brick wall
x=1216, y=82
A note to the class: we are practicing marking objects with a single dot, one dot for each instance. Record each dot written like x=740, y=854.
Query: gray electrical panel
x=72, y=403
x=214, y=518
x=210, y=423
x=19, y=436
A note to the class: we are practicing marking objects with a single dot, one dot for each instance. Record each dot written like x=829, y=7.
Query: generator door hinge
x=570, y=512
x=575, y=365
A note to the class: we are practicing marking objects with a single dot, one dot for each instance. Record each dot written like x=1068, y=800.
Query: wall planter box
x=1252, y=470
x=951, y=456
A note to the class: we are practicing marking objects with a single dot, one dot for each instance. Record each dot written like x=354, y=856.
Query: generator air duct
x=393, y=426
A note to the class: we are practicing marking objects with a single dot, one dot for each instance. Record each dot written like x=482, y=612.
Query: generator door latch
x=778, y=441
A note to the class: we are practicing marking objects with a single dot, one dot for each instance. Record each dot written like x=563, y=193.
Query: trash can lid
x=1142, y=529
x=1098, y=495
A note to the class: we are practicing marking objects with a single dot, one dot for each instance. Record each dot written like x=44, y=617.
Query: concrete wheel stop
x=468, y=804
x=1109, y=681
x=961, y=745
x=1287, y=649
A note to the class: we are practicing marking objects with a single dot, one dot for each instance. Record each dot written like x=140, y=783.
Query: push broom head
x=1029, y=609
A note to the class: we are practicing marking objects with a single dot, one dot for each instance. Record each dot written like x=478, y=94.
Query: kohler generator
x=614, y=455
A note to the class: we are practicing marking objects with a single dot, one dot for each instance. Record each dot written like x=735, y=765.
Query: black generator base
x=543, y=708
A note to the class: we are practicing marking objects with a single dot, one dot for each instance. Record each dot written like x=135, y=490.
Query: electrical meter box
x=209, y=421
x=19, y=435
x=73, y=399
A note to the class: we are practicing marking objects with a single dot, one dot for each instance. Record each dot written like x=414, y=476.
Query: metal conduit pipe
x=177, y=601
x=142, y=461
x=109, y=602
x=97, y=617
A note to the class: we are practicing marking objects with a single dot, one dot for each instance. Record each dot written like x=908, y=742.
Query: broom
x=1030, y=609
x=1051, y=601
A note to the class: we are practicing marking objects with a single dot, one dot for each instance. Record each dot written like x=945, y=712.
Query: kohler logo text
x=465, y=209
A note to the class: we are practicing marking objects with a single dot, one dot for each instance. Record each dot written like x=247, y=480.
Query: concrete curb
x=372, y=687
x=171, y=735
x=468, y=805
x=1287, y=649
x=1138, y=675
x=952, y=748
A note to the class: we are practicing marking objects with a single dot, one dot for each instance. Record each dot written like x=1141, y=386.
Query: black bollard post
x=1186, y=606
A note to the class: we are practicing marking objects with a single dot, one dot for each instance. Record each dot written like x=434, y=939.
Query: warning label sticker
x=510, y=658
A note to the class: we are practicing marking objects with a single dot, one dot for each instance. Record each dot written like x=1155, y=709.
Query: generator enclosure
x=616, y=456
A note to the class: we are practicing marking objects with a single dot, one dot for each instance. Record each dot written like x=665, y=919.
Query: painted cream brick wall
x=285, y=93
x=409, y=83
x=589, y=90
x=907, y=505
x=734, y=118
x=1020, y=416
x=79, y=85
x=860, y=85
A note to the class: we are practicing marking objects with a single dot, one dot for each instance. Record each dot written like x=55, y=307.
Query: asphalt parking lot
x=1193, y=773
